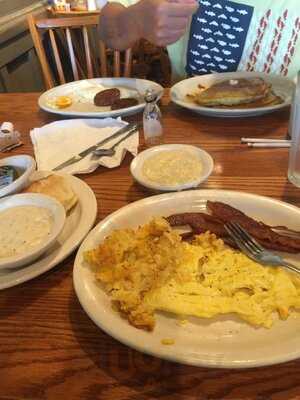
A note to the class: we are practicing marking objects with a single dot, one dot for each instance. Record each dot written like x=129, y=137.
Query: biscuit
x=57, y=187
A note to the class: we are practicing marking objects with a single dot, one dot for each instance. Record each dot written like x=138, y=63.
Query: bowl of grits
x=29, y=224
x=172, y=167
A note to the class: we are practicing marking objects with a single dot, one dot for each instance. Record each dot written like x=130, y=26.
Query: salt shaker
x=152, y=120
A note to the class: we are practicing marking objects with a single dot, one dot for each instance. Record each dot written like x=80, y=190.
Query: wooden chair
x=88, y=56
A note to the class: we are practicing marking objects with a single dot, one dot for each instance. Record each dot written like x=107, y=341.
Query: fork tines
x=242, y=237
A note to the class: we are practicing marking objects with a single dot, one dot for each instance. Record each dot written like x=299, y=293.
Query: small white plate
x=83, y=92
x=282, y=86
x=22, y=162
x=37, y=200
x=78, y=223
x=222, y=342
x=136, y=167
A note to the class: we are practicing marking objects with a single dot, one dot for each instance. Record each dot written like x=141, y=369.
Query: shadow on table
x=20, y=297
x=122, y=373
x=145, y=377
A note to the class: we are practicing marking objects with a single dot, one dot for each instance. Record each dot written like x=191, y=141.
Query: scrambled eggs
x=152, y=269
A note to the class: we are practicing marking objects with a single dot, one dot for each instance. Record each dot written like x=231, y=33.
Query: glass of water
x=294, y=129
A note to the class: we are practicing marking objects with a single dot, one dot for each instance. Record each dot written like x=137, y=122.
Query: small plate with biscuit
x=99, y=97
x=80, y=205
x=234, y=94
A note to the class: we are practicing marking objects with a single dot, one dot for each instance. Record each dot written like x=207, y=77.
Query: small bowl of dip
x=172, y=167
x=20, y=167
x=29, y=224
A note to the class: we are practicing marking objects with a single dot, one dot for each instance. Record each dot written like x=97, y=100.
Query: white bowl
x=23, y=162
x=136, y=167
x=38, y=200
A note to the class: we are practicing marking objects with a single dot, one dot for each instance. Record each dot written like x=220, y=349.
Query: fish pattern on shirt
x=217, y=36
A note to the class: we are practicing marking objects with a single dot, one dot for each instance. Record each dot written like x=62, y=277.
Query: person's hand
x=163, y=22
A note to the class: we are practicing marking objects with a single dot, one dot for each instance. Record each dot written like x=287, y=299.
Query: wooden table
x=50, y=349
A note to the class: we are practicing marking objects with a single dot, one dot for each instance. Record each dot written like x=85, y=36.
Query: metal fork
x=254, y=250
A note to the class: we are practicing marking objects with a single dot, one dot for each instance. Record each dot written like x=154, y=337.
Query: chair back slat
x=78, y=38
x=103, y=59
x=89, y=65
x=60, y=71
x=117, y=64
x=128, y=63
x=40, y=52
x=72, y=54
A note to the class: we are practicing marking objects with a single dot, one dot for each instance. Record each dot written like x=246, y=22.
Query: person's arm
x=162, y=22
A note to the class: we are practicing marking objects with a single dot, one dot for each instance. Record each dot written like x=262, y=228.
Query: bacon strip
x=222, y=213
x=200, y=223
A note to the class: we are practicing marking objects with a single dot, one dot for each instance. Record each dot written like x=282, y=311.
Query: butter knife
x=126, y=129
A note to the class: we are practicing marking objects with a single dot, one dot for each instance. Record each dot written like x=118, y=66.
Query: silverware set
x=97, y=151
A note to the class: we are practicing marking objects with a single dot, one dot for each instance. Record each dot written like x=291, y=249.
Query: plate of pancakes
x=234, y=94
x=99, y=97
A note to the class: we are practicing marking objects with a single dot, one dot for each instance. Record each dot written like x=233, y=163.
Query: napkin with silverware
x=58, y=141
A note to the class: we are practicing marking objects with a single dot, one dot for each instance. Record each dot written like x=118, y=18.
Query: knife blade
x=128, y=128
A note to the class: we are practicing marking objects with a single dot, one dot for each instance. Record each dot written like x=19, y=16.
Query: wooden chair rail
x=86, y=60
x=73, y=22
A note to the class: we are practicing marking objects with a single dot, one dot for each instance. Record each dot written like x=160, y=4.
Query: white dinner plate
x=282, y=86
x=219, y=342
x=82, y=94
x=78, y=223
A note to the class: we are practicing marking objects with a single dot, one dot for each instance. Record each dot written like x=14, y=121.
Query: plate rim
x=221, y=112
x=89, y=220
x=100, y=114
x=181, y=358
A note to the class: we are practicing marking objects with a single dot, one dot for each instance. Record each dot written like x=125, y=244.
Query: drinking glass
x=294, y=129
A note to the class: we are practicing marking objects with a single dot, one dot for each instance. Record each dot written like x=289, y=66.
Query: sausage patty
x=107, y=97
x=124, y=103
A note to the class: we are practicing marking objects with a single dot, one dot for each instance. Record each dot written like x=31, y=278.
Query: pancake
x=233, y=92
x=271, y=99
x=57, y=187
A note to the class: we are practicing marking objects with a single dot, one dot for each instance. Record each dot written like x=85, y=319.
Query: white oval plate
x=24, y=162
x=137, y=165
x=78, y=223
x=82, y=92
x=37, y=200
x=282, y=86
x=224, y=342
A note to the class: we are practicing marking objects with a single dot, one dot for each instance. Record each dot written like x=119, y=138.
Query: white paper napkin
x=57, y=142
